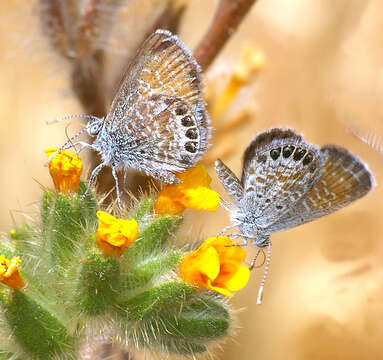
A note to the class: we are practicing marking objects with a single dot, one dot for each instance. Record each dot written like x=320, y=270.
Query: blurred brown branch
x=227, y=18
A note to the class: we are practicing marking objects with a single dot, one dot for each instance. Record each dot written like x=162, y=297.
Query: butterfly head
x=94, y=126
x=249, y=227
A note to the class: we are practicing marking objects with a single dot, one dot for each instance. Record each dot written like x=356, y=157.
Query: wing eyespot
x=308, y=158
x=287, y=151
x=299, y=153
x=274, y=153
x=181, y=110
x=192, y=133
x=191, y=147
x=187, y=121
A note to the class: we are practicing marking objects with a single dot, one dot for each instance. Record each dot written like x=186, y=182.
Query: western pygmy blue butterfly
x=287, y=182
x=157, y=122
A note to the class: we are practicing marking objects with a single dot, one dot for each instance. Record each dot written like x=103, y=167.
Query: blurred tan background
x=324, y=295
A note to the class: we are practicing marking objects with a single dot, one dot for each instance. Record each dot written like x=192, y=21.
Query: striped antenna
x=54, y=121
x=372, y=139
x=266, y=271
x=65, y=146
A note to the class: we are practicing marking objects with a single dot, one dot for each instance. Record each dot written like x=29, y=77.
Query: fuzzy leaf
x=169, y=295
x=140, y=275
x=153, y=238
x=39, y=332
x=98, y=284
x=143, y=208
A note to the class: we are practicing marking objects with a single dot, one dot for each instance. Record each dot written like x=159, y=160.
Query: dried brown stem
x=55, y=24
x=227, y=18
x=88, y=28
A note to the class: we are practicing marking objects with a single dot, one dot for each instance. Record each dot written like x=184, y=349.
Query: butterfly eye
x=299, y=153
x=275, y=153
x=308, y=158
x=287, y=151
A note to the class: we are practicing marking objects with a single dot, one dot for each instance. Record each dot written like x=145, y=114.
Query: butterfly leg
x=117, y=187
x=93, y=175
x=225, y=204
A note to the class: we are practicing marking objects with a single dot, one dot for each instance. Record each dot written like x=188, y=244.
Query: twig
x=227, y=18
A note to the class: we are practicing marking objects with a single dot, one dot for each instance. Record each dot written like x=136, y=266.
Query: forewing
x=343, y=179
x=229, y=181
x=163, y=65
x=278, y=169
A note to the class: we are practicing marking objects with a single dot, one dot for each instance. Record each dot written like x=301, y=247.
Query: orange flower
x=193, y=192
x=114, y=235
x=65, y=169
x=9, y=272
x=216, y=265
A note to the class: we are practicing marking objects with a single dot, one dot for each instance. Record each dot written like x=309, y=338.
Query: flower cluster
x=216, y=265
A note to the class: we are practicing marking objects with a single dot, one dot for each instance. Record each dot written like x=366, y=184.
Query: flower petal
x=219, y=289
x=201, y=198
x=239, y=280
x=200, y=266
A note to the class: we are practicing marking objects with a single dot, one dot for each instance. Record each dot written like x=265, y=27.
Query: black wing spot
x=181, y=110
x=299, y=153
x=191, y=147
x=275, y=153
x=187, y=121
x=308, y=158
x=288, y=150
x=192, y=133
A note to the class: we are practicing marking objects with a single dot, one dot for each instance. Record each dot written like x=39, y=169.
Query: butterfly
x=287, y=182
x=157, y=122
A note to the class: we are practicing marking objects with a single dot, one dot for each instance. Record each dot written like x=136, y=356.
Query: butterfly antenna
x=260, y=291
x=59, y=119
x=65, y=146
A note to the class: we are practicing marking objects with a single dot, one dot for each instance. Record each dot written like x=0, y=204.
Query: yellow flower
x=9, y=272
x=114, y=235
x=65, y=169
x=216, y=265
x=193, y=192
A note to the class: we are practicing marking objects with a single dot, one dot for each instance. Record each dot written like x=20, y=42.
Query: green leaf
x=39, y=331
x=98, y=284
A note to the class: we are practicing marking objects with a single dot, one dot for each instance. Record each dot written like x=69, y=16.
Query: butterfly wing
x=278, y=169
x=343, y=179
x=165, y=67
x=165, y=138
x=229, y=181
